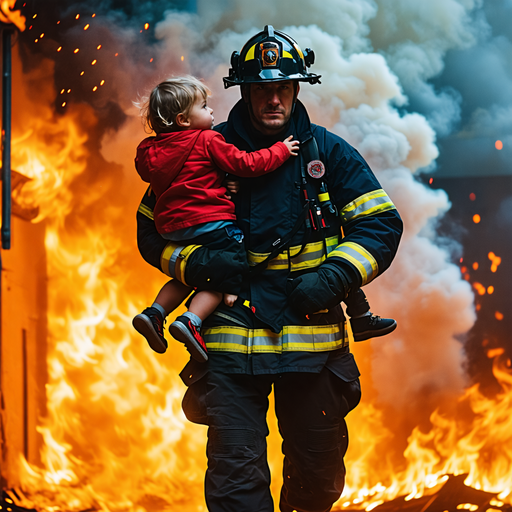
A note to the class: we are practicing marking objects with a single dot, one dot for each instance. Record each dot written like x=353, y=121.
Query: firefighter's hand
x=317, y=291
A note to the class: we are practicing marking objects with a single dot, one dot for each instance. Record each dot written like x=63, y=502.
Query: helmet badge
x=269, y=54
x=316, y=168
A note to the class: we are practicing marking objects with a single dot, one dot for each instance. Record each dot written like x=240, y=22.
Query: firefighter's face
x=271, y=105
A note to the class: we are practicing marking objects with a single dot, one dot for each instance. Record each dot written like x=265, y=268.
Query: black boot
x=371, y=326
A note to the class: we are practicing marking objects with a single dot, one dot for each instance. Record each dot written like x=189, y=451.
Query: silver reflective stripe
x=172, y=261
x=318, y=338
x=368, y=204
x=360, y=258
x=305, y=256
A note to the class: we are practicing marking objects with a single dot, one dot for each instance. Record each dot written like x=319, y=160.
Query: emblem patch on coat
x=316, y=169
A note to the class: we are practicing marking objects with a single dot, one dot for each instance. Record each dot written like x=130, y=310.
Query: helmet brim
x=268, y=76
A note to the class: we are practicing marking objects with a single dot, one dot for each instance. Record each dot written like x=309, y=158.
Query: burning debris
x=450, y=496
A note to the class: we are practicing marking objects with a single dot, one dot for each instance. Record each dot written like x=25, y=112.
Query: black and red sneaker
x=182, y=329
x=150, y=324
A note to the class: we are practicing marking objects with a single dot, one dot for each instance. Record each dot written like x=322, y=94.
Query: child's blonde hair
x=169, y=98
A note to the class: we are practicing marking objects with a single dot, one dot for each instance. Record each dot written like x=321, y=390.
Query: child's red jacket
x=186, y=170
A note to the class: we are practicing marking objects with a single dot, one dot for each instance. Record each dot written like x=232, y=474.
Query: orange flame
x=479, y=445
x=7, y=15
x=112, y=404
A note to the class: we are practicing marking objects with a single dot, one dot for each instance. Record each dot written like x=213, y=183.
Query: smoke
x=505, y=213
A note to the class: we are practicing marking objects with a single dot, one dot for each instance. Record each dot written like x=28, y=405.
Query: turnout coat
x=262, y=333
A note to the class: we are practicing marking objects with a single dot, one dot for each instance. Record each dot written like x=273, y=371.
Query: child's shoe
x=182, y=329
x=150, y=324
x=371, y=326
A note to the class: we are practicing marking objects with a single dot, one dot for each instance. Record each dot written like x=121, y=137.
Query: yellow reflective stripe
x=368, y=204
x=295, y=338
x=287, y=55
x=312, y=255
x=181, y=261
x=331, y=243
x=250, y=53
x=145, y=210
x=360, y=258
x=323, y=197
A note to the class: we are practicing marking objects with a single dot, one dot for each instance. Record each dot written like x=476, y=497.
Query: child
x=185, y=165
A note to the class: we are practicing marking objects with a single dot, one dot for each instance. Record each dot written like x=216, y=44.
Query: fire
x=114, y=437
x=8, y=15
x=477, y=443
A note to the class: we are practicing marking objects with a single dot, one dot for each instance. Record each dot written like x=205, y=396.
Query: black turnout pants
x=310, y=409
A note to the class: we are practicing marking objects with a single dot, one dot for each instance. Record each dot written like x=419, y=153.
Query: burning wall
x=114, y=437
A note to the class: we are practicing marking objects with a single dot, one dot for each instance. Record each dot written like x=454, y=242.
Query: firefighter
x=287, y=330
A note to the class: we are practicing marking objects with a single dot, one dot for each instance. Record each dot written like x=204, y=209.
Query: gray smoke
x=453, y=61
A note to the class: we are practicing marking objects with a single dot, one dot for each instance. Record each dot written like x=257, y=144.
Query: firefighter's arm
x=151, y=245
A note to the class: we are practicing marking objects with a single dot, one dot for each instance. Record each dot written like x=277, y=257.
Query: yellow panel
x=250, y=54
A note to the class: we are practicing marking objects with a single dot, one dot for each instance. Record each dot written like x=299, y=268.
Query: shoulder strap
x=309, y=150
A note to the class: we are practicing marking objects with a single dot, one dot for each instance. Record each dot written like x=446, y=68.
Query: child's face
x=200, y=116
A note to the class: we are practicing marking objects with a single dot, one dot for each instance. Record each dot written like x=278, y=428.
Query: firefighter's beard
x=270, y=120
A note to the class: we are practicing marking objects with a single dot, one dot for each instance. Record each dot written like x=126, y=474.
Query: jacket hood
x=160, y=159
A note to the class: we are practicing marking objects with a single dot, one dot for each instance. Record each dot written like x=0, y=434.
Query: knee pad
x=235, y=443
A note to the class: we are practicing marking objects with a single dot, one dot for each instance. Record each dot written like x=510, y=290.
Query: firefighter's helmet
x=270, y=56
